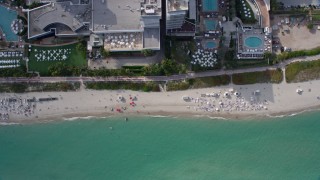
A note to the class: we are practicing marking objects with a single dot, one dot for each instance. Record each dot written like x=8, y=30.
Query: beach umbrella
x=64, y=57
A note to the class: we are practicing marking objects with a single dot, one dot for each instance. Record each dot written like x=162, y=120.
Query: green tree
x=59, y=69
x=81, y=47
x=154, y=69
x=274, y=5
x=270, y=56
x=147, y=52
x=310, y=26
x=182, y=68
x=168, y=66
x=3, y=44
x=34, y=5
x=18, y=88
x=104, y=53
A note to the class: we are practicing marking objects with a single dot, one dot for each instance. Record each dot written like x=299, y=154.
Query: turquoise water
x=210, y=25
x=211, y=45
x=163, y=148
x=210, y=5
x=6, y=18
x=253, y=42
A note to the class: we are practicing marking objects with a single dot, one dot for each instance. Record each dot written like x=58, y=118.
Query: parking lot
x=299, y=2
x=294, y=34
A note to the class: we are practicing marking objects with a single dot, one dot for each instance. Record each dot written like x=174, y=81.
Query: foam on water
x=8, y=123
x=78, y=118
x=85, y=118
x=292, y=114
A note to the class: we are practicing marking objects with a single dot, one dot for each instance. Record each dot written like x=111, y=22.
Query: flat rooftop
x=115, y=15
x=124, y=24
x=151, y=38
x=177, y=5
x=69, y=13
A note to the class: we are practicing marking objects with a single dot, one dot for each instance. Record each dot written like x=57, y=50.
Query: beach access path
x=281, y=65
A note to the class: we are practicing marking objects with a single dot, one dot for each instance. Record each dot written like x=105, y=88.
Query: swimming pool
x=253, y=42
x=210, y=25
x=211, y=45
x=6, y=18
x=209, y=5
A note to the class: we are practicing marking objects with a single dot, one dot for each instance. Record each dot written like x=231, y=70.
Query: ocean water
x=146, y=148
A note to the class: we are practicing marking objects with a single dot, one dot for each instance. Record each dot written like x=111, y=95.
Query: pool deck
x=245, y=51
x=210, y=32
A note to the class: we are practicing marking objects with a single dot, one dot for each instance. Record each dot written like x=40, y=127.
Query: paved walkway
x=228, y=28
x=264, y=13
x=281, y=65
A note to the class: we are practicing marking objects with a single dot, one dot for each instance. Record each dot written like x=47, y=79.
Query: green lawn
x=13, y=72
x=179, y=51
x=212, y=81
x=38, y=87
x=270, y=76
x=12, y=58
x=146, y=86
x=316, y=17
x=245, y=63
x=300, y=53
x=303, y=71
x=196, y=83
x=241, y=13
x=74, y=57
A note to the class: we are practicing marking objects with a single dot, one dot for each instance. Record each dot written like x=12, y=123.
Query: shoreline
x=195, y=116
x=274, y=100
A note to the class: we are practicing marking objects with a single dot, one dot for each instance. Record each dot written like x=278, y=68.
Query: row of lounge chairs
x=9, y=66
x=9, y=61
x=11, y=54
x=250, y=55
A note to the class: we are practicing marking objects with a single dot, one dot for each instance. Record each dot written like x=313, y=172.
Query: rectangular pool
x=209, y=5
x=210, y=25
x=6, y=18
x=210, y=45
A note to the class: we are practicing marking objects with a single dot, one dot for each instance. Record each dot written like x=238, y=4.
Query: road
x=281, y=65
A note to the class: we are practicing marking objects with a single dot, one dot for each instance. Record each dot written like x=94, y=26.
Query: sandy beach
x=232, y=101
